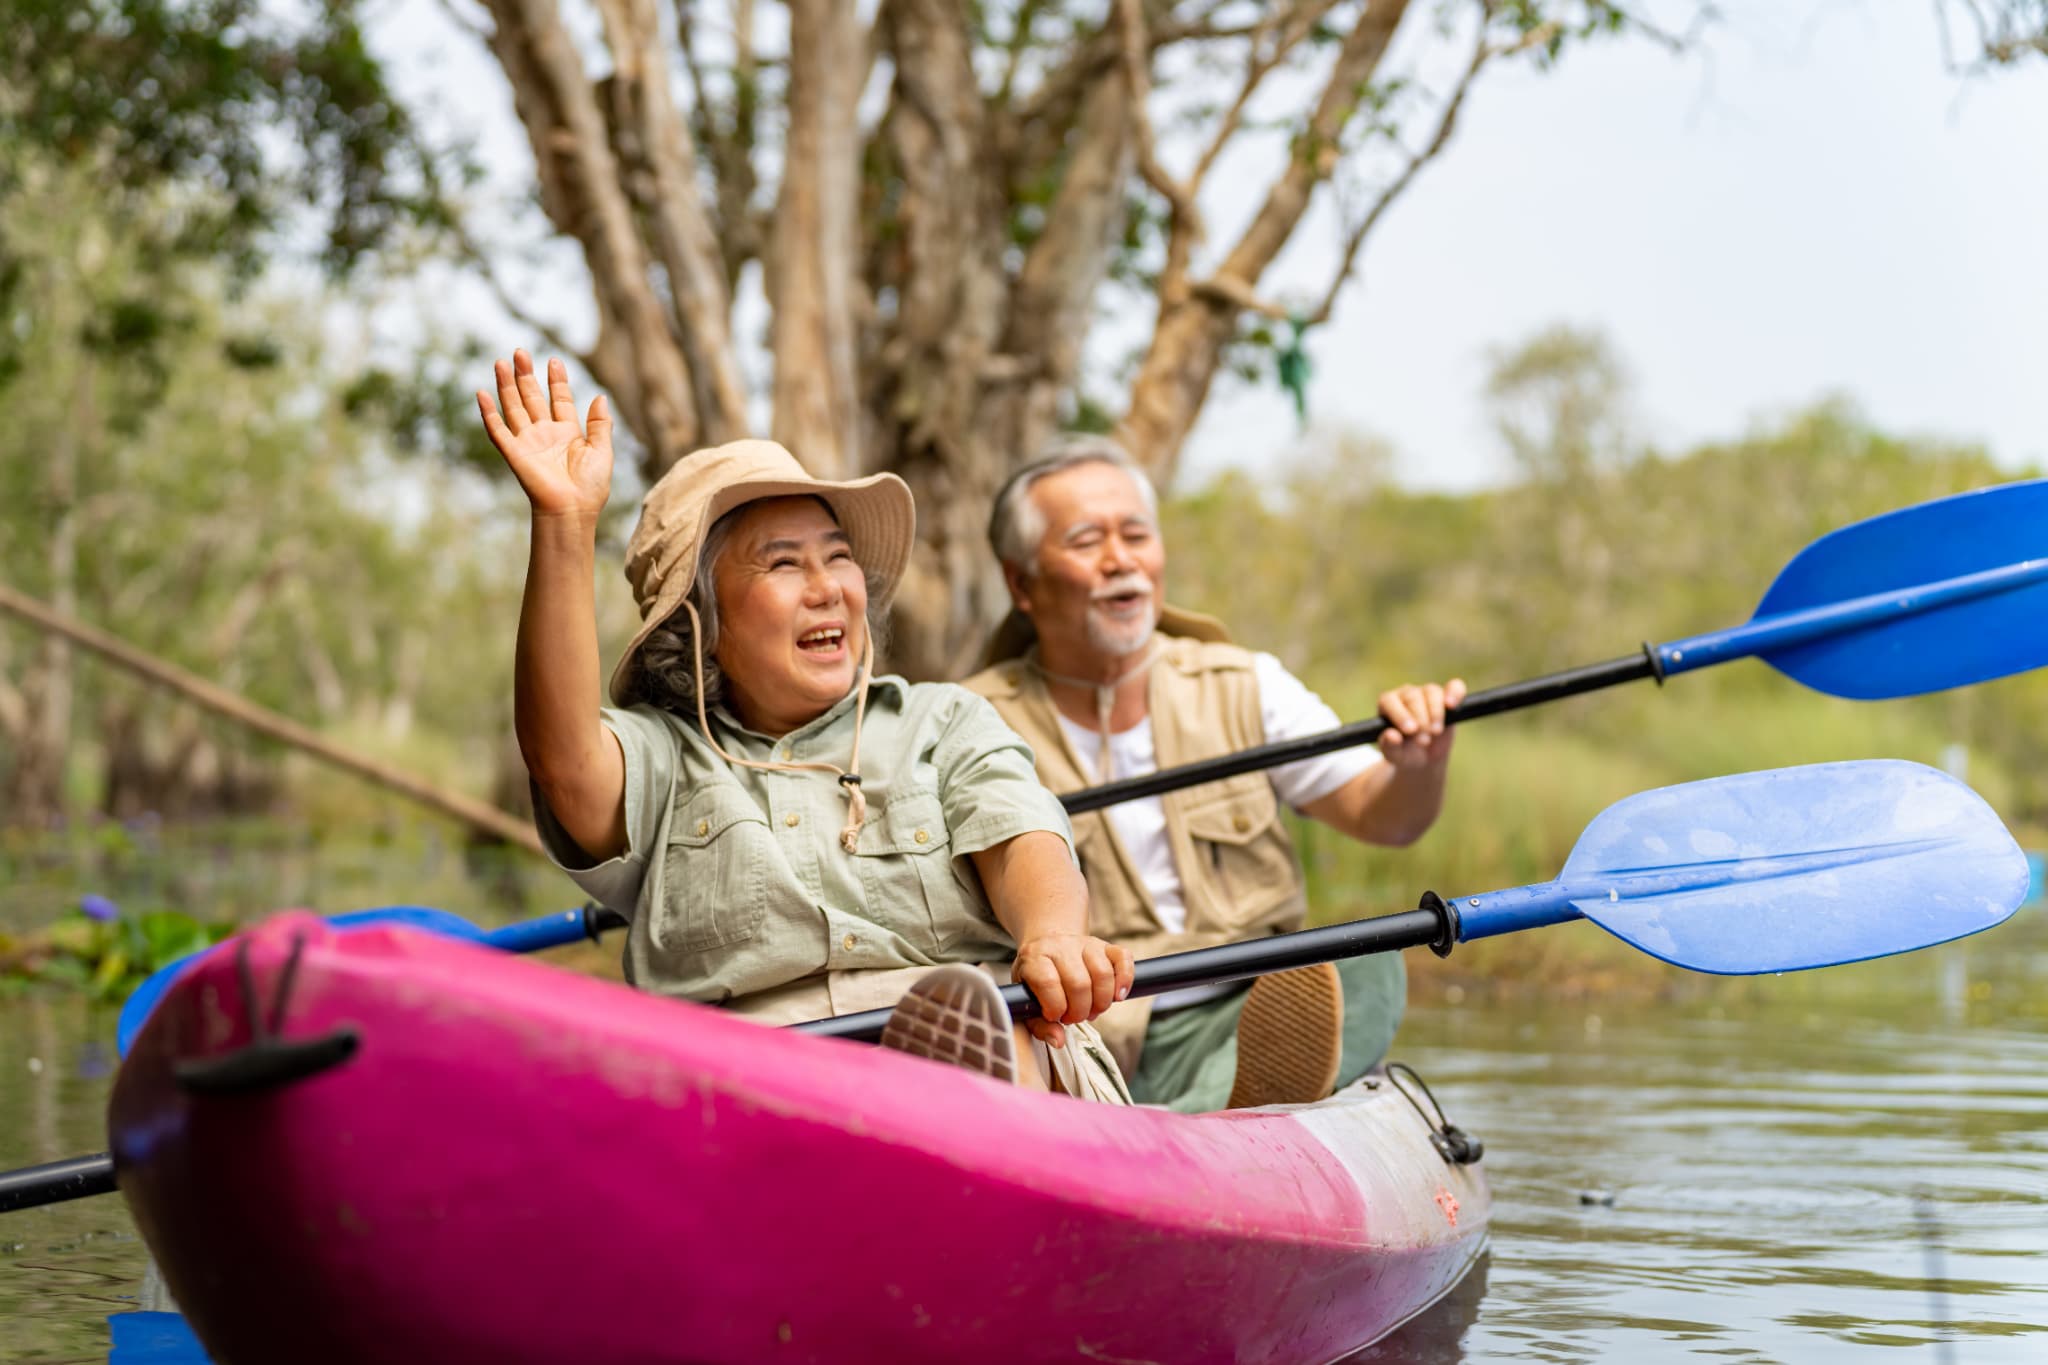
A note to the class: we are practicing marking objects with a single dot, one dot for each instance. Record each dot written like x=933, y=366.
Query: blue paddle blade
x=1798, y=867
x=1964, y=642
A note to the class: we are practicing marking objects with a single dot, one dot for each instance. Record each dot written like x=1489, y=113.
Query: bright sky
x=1815, y=206
x=1810, y=205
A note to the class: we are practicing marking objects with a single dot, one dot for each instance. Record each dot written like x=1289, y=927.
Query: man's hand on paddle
x=564, y=471
x=1075, y=977
x=1415, y=712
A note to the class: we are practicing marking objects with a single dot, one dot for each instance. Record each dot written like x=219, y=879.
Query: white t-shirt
x=1287, y=709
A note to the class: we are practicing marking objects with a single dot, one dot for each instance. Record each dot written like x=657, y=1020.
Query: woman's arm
x=1039, y=896
x=573, y=758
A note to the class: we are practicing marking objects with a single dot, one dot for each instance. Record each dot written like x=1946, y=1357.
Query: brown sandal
x=1290, y=1038
x=955, y=1015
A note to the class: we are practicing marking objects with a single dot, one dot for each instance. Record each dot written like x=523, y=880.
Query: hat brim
x=877, y=513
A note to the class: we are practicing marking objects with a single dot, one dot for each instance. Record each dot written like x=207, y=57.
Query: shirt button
x=848, y=942
x=922, y=836
x=1240, y=824
x=703, y=828
x=791, y=819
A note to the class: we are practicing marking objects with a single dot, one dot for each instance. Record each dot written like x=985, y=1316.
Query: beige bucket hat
x=877, y=514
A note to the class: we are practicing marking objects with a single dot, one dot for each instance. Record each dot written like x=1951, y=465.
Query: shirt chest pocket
x=714, y=884
x=906, y=871
x=1243, y=850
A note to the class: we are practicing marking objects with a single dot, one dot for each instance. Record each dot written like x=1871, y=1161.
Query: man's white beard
x=1118, y=638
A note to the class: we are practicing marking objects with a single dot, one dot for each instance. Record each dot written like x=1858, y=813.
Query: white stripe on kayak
x=1411, y=1194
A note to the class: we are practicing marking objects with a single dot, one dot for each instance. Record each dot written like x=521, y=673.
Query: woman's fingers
x=1101, y=976
x=1126, y=968
x=494, y=425
x=1048, y=1032
x=1042, y=975
x=1080, y=988
x=561, y=406
x=529, y=387
x=509, y=401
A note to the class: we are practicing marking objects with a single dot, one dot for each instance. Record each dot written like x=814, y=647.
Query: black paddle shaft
x=1513, y=697
x=54, y=1182
x=1434, y=926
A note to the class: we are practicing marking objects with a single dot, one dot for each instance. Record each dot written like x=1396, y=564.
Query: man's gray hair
x=1016, y=526
x=667, y=676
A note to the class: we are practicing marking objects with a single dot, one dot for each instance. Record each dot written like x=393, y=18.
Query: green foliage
x=106, y=959
x=146, y=94
x=1361, y=585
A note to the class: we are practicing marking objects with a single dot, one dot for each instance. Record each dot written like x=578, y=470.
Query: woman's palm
x=564, y=467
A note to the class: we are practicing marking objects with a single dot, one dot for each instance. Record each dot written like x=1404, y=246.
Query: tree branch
x=1187, y=345
x=1294, y=24
x=636, y=356
x=653, y=144
x=472, y=254
x=1482, y=52
x=1185, y=227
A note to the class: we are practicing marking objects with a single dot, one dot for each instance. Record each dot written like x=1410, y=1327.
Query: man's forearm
x=1385, y=804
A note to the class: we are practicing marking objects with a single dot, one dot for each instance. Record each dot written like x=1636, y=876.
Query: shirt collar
x=891, y=683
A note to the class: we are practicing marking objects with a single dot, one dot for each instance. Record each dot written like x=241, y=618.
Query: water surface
x=1842, y=1165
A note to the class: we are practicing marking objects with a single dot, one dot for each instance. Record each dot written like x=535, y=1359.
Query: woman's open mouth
x=826, y=642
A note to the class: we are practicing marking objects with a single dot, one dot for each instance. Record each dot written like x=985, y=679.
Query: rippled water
x=1850, y=1164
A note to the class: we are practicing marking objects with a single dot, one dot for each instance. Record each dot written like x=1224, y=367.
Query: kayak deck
x=518, y=1164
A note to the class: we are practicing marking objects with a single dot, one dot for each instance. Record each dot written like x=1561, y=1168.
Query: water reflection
x=1815, y=1168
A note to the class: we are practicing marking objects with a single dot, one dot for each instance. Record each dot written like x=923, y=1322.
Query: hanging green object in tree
x=1293, y=367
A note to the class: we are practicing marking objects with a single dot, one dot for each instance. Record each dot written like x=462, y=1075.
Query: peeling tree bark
x=637, y=356
x=814, y=249
x=932, y=278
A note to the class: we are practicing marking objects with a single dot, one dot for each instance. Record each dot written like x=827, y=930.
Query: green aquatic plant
x=103, y=952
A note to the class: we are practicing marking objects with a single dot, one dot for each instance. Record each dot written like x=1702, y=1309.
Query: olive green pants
x=1190, y=1055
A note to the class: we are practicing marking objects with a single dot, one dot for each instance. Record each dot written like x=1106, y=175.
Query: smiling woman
x=788, y=835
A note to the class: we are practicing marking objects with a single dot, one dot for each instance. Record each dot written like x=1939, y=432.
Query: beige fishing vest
x=1238, y=870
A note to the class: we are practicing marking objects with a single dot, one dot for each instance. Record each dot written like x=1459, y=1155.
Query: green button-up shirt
x=735, y=880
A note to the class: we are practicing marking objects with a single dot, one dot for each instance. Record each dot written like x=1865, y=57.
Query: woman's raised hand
x=565, y=469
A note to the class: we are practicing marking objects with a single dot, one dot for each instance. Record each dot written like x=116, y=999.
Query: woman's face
x=792, y=612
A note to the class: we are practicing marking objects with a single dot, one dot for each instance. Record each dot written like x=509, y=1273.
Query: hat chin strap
x=849, y=776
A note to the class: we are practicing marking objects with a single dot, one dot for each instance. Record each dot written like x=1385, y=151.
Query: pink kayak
x=381, y=1145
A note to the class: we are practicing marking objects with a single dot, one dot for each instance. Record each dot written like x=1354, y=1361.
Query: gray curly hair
x=667, y=674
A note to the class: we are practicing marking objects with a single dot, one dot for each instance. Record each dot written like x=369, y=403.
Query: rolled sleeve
x=988, y=782
x=651, y=756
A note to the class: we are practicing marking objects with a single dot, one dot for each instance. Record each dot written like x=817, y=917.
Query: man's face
x=1095, y=582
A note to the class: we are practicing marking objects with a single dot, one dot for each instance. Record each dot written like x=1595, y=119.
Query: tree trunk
x=36, y=785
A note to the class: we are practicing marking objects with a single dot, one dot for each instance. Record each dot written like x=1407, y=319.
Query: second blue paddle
x=1939, y=595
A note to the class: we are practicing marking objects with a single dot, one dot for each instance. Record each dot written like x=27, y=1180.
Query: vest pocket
x=906, y=870
x=712, y=889
x=1244, y=851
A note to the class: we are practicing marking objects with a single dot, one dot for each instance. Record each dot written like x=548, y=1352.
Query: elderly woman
x=790, y=836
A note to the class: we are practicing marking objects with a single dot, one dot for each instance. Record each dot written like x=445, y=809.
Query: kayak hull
x=517, y=1164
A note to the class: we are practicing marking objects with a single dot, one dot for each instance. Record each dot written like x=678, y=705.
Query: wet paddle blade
x=1950, y=646
x=1798, y=867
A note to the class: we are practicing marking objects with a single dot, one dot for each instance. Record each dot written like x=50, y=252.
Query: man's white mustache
x=1116, y=587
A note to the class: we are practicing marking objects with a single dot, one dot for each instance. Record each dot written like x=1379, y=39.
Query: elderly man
x=1106, y=681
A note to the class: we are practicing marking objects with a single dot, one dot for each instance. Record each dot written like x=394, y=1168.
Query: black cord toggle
x=1452, y=1143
